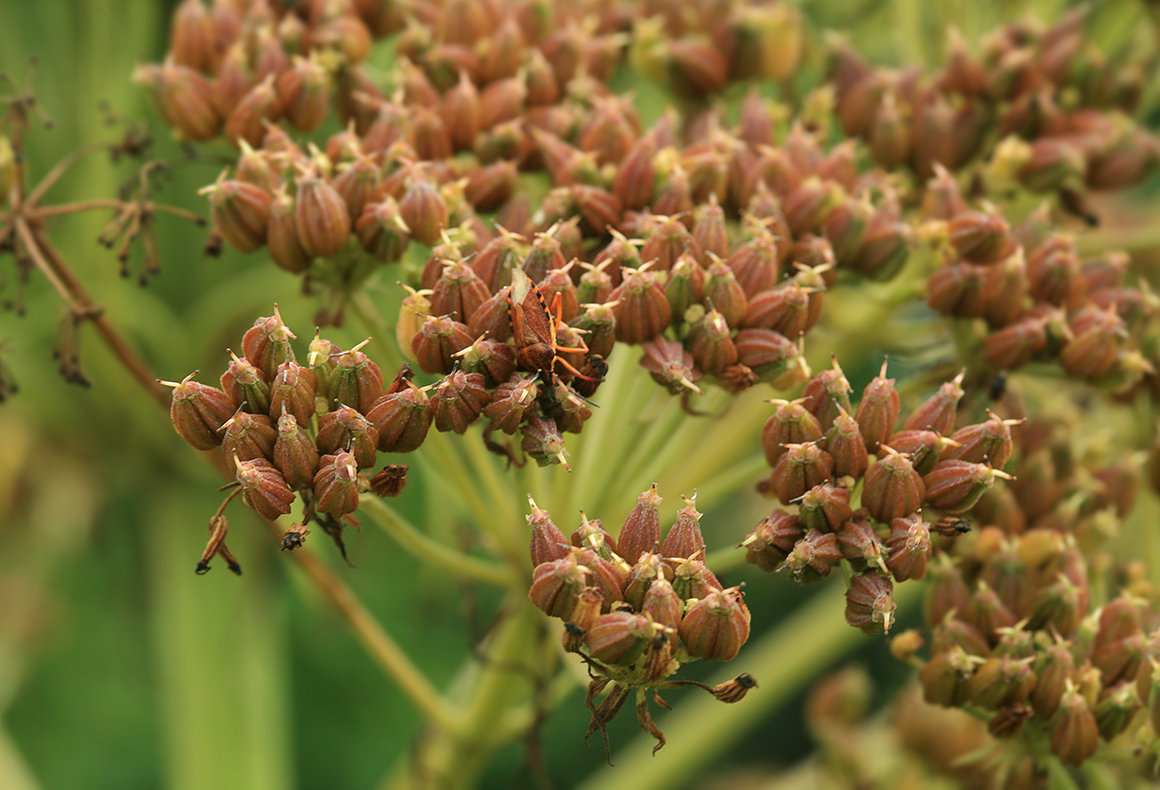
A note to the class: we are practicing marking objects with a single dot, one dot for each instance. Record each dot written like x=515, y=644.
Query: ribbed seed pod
x=263, y=487
x=401, y=420
x=248, y=436
x=827, y=394
x=870, y=603
x=799, y=469
x=772, y=540
x=336, y=484
x=892, y=488
x=295, y=454
x=246, y=385
x=790, y=423
x=198, y=412
x=322, y=218
x=825, y=507
x=642, y=311
x=684, y=537
x=878, y=410
x=845, y=444
x=438, y=341
x=937, y=413
x=716, y=626
x=292, y=390
x=641, y=531
x=347, y=429
x=458, y=401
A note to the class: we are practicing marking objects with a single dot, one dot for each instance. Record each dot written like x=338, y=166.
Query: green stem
x=596, y=447
x=453, y=757
x=14, y=771
x=700, y=729
x=382, y=648
x=389, y=357
x=1131, y=240
x=505, y=512
x=734, y=477
x=423, y=547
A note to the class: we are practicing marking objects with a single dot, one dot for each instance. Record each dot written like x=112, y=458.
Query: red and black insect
x=534, y=327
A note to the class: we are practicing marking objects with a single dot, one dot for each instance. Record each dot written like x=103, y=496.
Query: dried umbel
x=712, y=249
x=635, y=621
x=307, y=432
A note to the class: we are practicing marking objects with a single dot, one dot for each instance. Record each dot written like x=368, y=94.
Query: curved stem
x=81, y=300
x=453, y=756
x=794, y=652
x=58, y=170
x=422, y=547
x=382, y=648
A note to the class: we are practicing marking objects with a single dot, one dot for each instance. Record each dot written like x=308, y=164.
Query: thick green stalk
x=453, y=757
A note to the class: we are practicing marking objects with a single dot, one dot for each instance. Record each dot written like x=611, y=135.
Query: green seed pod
x=247, y=385
x=1075, y=736
x=944, y=678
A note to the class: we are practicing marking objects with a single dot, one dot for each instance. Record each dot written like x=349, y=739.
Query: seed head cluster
x=637, y=607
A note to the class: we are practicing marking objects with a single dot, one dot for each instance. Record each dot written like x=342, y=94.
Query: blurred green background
x=121, y=669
